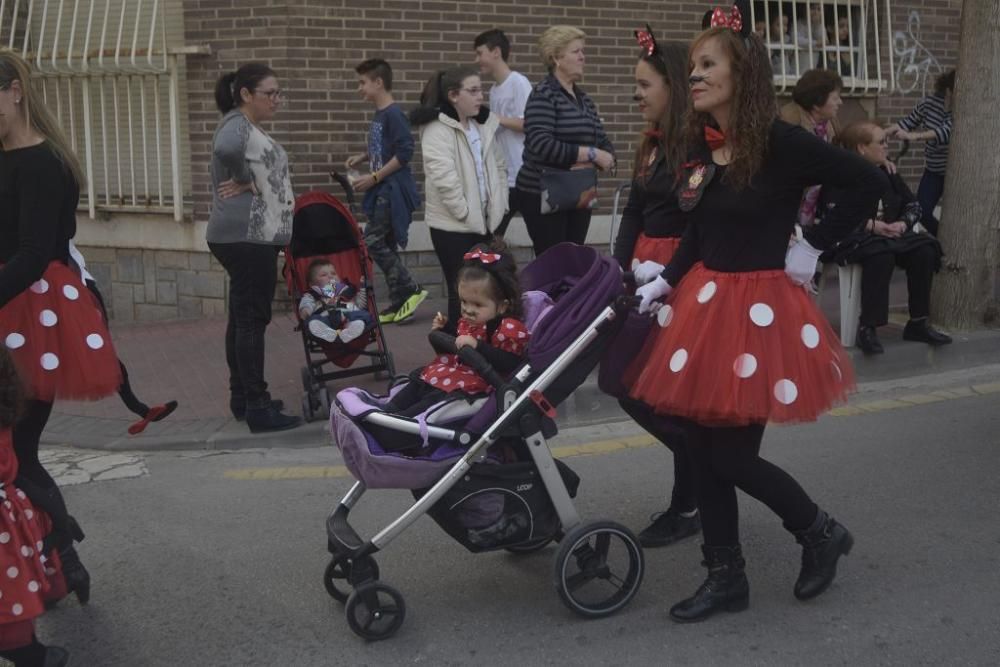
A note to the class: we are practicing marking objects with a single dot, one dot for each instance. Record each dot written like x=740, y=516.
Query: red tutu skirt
x=740, y=348
x=656, y=249
x=25, y=572
x=57, y=335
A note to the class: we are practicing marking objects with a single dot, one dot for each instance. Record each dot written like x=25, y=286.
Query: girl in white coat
x=466, y=179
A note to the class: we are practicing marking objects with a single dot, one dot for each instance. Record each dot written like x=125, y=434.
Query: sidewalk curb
x=904, y=364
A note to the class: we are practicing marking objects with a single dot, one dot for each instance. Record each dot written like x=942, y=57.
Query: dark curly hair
x=754, y=105
x=11, y=391
x=501, y=275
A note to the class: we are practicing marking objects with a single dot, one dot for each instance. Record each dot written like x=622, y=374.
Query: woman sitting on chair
x=891, y=237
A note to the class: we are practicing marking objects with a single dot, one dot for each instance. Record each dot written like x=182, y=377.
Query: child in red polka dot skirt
x=25, y=569
x=490, y=298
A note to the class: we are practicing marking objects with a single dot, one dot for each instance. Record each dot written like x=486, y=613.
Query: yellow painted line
x=601, y=447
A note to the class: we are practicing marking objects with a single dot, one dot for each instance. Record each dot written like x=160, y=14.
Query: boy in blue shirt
x=390, y=189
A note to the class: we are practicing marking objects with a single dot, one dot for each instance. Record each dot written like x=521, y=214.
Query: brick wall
x=314, y=45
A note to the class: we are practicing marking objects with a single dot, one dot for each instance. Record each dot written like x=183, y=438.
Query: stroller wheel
x=375, y=611
x=338, y=573
x=529, y=547
x=598, y=568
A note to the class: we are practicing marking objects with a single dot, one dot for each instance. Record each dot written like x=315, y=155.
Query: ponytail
x=434, y=97
x=229, y=86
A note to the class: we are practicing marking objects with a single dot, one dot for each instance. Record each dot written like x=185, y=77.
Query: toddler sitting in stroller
x=491, y=310
x=329, y=308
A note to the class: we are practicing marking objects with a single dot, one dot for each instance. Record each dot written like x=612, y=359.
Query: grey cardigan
x=245, y=153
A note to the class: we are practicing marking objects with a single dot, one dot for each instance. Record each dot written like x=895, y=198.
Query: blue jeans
x=929, y=194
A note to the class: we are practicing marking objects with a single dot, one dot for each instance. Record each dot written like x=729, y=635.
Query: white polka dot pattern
x=48, y=318
x=664, y=316
x=14, y=340
x=678, y=360
x=707, y=291
x=49, y=361
x=40, y=286
x=810, y=336
x=745, y=365
x=785, y=392
x=761, y=314
x=95, y=341
x=71, y=292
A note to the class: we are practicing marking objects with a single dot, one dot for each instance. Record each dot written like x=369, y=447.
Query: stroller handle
x=345, y=184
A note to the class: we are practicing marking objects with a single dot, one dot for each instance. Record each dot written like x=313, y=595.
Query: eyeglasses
x=884, y=141
x=472, y=91
x=275, y=95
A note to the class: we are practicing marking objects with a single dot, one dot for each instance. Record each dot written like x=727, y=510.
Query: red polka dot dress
x=25, y=571
x=449, y=374
x=57, y=335
x=738, y=342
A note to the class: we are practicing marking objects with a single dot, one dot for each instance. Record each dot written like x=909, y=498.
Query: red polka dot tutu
x=740, y=348
x=56, y=333
x=24, y=570
x=656, y=249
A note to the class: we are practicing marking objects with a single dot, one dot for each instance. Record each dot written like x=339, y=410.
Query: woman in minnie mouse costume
x=652, y=224
x=49, y=321
x=740, y=342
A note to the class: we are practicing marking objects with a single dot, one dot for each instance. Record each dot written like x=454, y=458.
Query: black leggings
x=549, y=229
x=450, y=248
x=683, y=498
x=727, y=458
x=27, y=434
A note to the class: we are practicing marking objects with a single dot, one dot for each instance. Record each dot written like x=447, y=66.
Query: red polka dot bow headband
x=737, y=19
x=482, y=256
x=647, y=41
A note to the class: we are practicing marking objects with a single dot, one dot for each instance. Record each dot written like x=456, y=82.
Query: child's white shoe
x=352, y=331
x=323, y=331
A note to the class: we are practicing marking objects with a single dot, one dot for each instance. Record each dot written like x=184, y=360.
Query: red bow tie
x=714, y=138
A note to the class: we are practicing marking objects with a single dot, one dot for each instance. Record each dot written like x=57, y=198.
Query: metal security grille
x=851, y=37
x=105, y=69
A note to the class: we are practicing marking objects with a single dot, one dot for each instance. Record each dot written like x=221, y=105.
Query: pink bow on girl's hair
x=484, y=257
x=734, y=21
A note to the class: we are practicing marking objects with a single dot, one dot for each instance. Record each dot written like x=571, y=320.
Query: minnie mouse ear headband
x=736, y=19
x=647, y=41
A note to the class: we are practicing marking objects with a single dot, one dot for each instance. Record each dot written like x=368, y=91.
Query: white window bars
x=850, y=37
x=105, y=70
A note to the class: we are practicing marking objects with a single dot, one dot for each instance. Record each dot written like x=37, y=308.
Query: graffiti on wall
x=916, y=66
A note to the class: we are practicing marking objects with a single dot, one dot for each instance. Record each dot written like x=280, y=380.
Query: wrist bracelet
x=375, y=176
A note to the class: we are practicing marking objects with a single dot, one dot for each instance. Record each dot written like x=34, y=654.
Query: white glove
x=646, y=271
x=800, y=262
x=650, y=292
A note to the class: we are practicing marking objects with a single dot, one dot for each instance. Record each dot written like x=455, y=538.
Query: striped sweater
x=555, y=126
x=930, y=113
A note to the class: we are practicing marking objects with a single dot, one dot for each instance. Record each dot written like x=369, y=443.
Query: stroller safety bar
x=412, y=427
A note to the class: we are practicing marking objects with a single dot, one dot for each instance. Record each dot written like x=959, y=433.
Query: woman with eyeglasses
x=251, y=220
x=466, y=188
x=890, y=237
x=562, y=131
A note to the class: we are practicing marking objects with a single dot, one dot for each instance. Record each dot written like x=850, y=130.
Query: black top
x=556, y=124
x=651, y=209
x=38, y=199
x=749, y=229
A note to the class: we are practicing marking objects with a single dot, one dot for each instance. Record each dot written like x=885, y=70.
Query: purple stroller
x=480, y=466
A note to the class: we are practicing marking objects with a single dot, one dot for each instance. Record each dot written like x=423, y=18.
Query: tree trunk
x=965, y=293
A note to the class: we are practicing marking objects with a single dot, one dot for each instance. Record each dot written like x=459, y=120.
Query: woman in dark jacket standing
x=888, y=240
x=251, y=220
x=561, y=131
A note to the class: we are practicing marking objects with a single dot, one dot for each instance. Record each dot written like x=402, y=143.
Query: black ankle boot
x=37, y=654
x=823, y=543
x=725, y=589
x=262, y=420
x=238, y=406
x=76, y=575
x=868, y=340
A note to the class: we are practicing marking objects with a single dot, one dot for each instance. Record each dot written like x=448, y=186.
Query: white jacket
x=451, y=193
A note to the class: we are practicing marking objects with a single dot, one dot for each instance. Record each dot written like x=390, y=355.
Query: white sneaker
x=352, y=331
x=322, y=331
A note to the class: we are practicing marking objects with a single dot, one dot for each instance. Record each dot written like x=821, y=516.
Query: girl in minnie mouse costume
x=740, y=342
x=490, y=300
x=651, y=228
x=50, y=322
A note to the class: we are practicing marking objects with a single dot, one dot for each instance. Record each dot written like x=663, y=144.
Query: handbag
x=568, y=189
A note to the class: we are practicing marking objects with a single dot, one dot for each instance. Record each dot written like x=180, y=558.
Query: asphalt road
x=197, y=561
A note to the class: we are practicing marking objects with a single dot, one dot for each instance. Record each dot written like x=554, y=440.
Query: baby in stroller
x=329, y=308
x=491, y=324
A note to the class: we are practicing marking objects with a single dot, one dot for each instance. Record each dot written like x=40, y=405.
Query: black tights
x=727, y=458
x=683, y=497
x=27, y=434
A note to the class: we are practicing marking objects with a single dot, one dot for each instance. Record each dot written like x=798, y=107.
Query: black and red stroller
x=324, y=227
x=480, y=466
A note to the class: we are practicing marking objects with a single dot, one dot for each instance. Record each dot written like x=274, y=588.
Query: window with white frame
x=849, y=37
